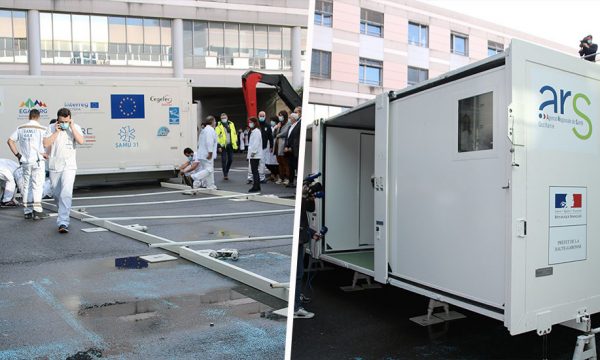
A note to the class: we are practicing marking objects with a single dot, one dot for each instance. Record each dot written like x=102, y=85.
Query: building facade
x=211, y=42
x=362, y=48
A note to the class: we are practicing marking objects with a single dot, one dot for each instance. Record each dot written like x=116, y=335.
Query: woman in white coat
x=255, y=152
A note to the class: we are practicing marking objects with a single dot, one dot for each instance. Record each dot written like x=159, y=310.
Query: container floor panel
x=363, y=259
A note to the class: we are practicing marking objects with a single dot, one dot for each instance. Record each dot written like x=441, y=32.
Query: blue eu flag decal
x=127, y=106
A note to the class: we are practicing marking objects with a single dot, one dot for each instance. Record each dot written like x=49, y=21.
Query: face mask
x=224, y=120
x=251, y=125
x=64, y=126
x=280, y=118
x=294, y=116
x=589, y=41
x=190, y=158
x=261, y=119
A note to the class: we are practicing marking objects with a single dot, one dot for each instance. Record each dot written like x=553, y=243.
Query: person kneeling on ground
x=187, y=167
x=8, y=177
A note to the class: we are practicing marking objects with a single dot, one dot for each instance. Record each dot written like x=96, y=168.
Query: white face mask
x=294, y=116
x=280, y=118
x=224, y=120
x=251, y=125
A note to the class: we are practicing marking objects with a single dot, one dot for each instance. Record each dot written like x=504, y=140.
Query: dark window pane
x=475, y=123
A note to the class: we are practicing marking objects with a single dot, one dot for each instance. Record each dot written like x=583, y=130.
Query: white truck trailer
x=477, y=188
x=133, y=127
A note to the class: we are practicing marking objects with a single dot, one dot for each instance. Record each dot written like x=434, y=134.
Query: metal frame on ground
x=200, y=257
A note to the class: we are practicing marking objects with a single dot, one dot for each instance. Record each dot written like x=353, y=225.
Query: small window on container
x=475, y=123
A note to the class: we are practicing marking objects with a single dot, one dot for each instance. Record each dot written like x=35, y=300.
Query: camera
x=313, y=188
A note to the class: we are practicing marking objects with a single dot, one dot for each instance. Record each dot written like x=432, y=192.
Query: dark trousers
x=226, y=158
x=255, y=177
x=293, y=167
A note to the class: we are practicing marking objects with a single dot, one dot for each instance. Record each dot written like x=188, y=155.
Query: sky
x=565, y=22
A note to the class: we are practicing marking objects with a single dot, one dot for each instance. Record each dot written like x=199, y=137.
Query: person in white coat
x=255, y=152
x=7, y=177
x=27, y=144
x=207, y=150
x=63, y=163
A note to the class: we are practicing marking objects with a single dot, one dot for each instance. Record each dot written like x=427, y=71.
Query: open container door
x=554, y=250
x=348, y=162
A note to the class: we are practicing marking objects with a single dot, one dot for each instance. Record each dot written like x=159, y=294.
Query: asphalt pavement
x=374, y=324
x=61, y=296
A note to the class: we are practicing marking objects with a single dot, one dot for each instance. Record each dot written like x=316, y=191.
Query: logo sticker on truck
x=567, y=233
x=127, y=106
x=127, y=138
x=26, y=105
x=552, y=111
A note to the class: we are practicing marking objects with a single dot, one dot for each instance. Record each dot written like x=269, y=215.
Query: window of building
x=371, y=23
x=494, y=48
x=321, y=64
x=319, y=111
x=61, y=35
x=370, y=72
x=324, y=13
x=165, y=42
x=460, y=44
x=99, y=39
x=418, y=34
x=111, y=40
x=233, y=45
x=13, y=36
x=475, y=123
x=417, y=75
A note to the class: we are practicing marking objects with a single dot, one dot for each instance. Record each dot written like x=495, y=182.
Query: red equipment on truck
x=285, y=91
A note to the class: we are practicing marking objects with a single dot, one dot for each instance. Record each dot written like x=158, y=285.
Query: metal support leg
x=585, y=348
x=435, y=318
x=356, y=287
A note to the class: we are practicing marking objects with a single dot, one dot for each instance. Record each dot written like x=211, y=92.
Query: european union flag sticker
x=127, y=106
x=94, y=105
x=174, y=115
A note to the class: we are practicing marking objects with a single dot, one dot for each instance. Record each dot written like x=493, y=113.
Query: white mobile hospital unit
x=478, y=188
x=133, y=127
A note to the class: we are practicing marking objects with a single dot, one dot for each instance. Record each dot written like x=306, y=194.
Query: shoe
x=305, y=299
x=39, y=215
x=303, y=314
x=225, y=177
x=28, y=216
x=212, y=187
x=63, y=229
x=10, y=203
x=254, y=189
x=291, y=185
x=248, y=182
x=263, y=181
x=278, y=182
x=286, y=182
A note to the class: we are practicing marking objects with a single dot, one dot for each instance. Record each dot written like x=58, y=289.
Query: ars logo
x=557, y=105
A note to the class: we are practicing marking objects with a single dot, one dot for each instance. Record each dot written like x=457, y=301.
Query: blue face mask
x=261, y=119
x=190, y=158
x=64, y=126
x=251, y=125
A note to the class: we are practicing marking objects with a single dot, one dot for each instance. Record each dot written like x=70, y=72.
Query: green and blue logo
x=557, y=105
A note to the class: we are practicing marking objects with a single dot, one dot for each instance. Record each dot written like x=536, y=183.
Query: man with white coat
x=29, y=139
x=63, y=163
x=207, y=149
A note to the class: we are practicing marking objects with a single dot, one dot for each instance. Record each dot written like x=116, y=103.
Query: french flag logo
x=567, y=201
